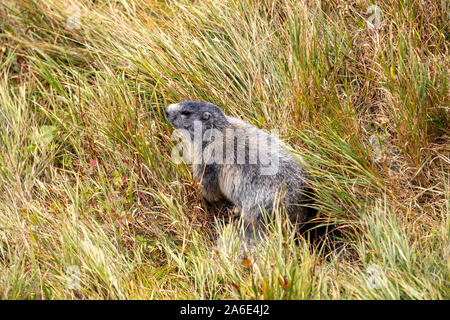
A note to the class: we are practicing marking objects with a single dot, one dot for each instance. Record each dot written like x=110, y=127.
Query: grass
x=92, y=207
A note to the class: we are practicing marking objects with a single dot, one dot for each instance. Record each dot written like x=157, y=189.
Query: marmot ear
x=206, y=116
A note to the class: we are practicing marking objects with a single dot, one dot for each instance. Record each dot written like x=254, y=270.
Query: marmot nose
x=169, y=113
x=173, y=107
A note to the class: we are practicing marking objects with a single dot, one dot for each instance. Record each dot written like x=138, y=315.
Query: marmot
x=236, y=161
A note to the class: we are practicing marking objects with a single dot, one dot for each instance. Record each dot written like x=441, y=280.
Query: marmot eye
x=185, y=113
x=206, y=116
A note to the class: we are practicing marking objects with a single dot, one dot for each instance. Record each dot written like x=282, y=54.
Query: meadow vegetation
x=93, y=207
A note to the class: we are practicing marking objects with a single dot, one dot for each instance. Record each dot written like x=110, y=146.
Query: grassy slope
x=86, y=178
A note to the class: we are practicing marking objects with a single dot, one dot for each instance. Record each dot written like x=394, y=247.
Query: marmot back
x=234, y=160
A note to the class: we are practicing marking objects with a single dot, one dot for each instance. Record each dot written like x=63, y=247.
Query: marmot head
x=184, y=114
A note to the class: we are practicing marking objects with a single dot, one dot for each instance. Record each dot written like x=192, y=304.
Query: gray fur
x=243, y=183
